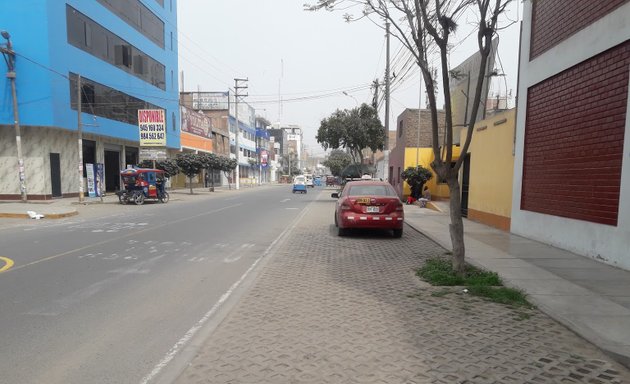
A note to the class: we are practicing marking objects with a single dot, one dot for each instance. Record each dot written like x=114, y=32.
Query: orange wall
x=196, y=142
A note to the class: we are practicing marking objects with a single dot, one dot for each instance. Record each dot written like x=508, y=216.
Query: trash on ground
x=34, y=215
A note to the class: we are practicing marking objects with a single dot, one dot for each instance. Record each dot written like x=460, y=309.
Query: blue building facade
x=125, y=53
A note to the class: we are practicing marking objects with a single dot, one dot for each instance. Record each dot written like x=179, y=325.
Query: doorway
x=465, y=184
x=112, y=171
x=55, y=175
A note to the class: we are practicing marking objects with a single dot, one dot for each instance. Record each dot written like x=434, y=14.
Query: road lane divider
x=8, y=263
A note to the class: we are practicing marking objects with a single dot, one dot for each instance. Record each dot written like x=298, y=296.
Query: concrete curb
x=47, y=215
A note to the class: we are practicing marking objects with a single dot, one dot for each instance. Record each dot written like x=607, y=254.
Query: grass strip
x=438, y=271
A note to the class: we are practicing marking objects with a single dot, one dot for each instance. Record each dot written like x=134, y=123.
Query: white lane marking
x=238, y=253
x=291, y=208
x=175, y=349
x=285, y=200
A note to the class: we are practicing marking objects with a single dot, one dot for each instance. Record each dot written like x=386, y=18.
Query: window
x=101, y=100
x=136, y=14
x=87, y=97
x=371, y=190
x=87, y=35
x=400, y=128
x=122, y=55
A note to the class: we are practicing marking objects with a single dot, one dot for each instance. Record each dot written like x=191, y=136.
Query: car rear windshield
x=371, y=190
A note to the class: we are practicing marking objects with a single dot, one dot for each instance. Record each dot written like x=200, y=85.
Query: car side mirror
x=334, y=195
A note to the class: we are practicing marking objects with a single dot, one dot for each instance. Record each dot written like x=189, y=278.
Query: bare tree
x=425, y=28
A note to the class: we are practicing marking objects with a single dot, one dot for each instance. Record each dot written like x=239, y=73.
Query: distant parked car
x=368, y=204
x=331, y=180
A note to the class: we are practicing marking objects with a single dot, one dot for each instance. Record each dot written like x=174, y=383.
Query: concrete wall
x=492, y=170
x=608, y=243
x=37, y=144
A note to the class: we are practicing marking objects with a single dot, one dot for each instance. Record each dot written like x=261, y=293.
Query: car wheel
x=398, y=233
x=341, y=231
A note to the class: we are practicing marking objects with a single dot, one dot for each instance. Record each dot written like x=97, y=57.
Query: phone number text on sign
x=152, y=127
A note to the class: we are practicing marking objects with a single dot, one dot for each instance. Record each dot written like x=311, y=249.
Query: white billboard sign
x=152, y=127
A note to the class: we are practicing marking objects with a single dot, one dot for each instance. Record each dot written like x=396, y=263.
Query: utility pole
x=9, y=57
x=238, y=129
x=80, y=136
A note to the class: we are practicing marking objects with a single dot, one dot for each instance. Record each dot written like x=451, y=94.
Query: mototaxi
x=299, y=184
x=141, y=184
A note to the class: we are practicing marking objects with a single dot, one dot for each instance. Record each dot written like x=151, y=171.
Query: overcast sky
x=308, y=58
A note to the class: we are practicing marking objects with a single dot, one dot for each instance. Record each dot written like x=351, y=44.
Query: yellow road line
x=8, y=263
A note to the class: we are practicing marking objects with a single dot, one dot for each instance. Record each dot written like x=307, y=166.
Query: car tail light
x=399, y=207
x=345, y=206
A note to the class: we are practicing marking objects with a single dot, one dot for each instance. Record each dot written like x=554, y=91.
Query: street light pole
x=349, y=95
x=9, y=58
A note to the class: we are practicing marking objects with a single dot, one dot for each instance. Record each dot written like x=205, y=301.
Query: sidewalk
x=587, y=296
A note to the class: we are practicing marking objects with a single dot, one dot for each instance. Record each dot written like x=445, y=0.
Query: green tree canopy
x=337, y=161
x=169, y=166
x=227, y=166
x=354, y=129
x=416, y=177
x=190, y=164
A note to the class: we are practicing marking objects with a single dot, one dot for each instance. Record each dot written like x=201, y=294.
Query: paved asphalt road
x=103, y=298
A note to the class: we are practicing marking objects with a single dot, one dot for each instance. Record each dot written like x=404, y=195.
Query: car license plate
x=372, y=210
x=363, y=200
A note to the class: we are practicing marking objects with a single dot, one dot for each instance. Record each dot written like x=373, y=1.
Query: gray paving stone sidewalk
x=326, y=309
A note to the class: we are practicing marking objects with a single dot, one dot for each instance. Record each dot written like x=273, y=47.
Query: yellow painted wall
x=492, y=166
x=424, y=157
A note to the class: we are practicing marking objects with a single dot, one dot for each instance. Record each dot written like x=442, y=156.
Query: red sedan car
x=368, y=204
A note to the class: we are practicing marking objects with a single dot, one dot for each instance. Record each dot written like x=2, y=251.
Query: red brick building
x=572, y=160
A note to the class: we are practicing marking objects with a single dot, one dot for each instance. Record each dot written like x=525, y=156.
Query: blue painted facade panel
x=45, y=60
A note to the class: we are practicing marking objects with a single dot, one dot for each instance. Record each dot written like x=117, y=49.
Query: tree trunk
x=456, y=228
x=190, y=184
x=212, y=182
